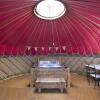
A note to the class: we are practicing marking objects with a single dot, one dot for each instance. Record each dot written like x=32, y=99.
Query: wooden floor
x=16, y=89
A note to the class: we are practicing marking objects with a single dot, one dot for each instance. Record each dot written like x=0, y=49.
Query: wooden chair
x=93, y=74
x=88, y=72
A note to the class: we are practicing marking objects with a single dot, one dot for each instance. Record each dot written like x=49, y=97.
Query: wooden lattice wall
x=16, y=65
x=10, y=66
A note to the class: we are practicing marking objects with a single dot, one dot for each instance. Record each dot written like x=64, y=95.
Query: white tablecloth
x=96, y=66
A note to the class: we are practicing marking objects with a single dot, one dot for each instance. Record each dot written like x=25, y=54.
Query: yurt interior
x=49, y=49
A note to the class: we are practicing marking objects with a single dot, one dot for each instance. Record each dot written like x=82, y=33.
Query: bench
x=50, y=83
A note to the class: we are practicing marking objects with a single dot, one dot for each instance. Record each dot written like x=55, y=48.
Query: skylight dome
x=49, y=9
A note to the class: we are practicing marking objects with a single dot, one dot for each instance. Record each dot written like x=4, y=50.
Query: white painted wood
x=46, y=77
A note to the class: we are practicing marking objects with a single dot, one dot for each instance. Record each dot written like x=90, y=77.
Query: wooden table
x=50, y=83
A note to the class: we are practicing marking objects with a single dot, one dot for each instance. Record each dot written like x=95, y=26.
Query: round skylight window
x=49, y=9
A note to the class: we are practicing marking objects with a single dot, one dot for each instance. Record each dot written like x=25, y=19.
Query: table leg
x=39, y=90
x=61, y=90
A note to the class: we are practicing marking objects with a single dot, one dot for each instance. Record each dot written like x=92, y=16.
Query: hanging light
x=49, y=9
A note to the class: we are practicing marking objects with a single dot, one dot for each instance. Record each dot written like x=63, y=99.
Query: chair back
x=90, y=70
